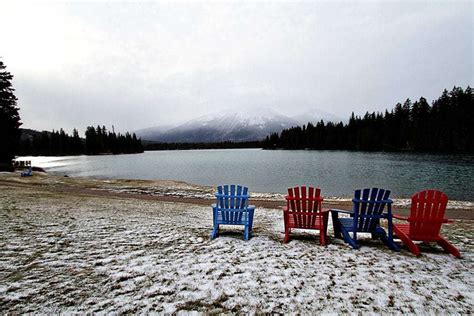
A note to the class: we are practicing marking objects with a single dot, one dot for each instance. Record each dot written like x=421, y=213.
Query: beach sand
x=127, y=246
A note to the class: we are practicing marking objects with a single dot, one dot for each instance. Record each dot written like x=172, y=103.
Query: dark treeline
x=447, y=125
x=98, y=141
x=220, y=145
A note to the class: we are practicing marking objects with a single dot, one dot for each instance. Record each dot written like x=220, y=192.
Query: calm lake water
x=337, y=173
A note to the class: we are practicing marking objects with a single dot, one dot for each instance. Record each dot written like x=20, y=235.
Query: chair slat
x=362, y=206
x=226, y=202
x=367, y=222
x=238, y=203
x=292, y=203
x=244, y=201
x=232, y=203
x=220, y=199
x=298, y=204
x=311, y=218
x=318, y=206
x=303, y=205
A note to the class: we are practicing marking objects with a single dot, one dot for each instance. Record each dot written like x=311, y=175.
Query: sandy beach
x=128, y=246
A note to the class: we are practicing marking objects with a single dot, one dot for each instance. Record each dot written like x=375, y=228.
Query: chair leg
x=336, y=225
x=392, y=245
x=407, y=241
x=380, y=232
x=322, y=237
x=215, y=232
x=325, y=228
x=448, y=247
x=246, y=232
x=287, y=235
x=348, y=239
x=323, y=233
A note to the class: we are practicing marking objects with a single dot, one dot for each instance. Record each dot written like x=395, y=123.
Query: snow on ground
x=65, y=253
x=185, y=190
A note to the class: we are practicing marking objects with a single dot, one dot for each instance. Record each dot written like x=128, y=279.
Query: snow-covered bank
x=74, y=253
x=203, y=192
x=180, y=189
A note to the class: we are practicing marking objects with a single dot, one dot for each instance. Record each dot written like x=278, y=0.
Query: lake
x=337, y=173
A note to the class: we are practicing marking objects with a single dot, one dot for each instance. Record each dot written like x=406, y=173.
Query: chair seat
x=305, y=222
x=348, y=223
x=405, y=229
x=233, y=218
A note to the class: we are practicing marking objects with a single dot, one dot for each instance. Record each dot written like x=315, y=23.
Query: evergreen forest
x=97, y=141
x=444, y=126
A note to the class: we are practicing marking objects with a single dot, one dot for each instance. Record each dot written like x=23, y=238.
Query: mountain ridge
x=228, y=126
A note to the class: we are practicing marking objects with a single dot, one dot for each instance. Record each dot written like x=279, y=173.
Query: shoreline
x=183, y=192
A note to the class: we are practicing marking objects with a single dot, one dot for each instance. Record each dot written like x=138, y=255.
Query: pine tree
x=9, y=120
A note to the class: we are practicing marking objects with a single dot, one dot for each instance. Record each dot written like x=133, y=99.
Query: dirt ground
x=182, y=192
x=82, y=245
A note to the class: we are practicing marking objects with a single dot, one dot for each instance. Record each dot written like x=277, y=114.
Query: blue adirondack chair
x=231, y=208
x=368, y=209
x=27, y=173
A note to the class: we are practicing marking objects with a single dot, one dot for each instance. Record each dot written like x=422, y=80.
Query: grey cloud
x=140, y=65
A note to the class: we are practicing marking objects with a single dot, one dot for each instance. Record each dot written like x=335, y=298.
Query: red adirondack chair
x=303, y=210
x=425, y=220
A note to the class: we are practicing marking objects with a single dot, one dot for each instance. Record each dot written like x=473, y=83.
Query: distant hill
x=27, y=133
x=227, y=126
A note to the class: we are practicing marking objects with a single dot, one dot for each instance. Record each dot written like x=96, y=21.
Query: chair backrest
x=427, y=213
x=304, y=204
x=232, y=197
x=369, y=205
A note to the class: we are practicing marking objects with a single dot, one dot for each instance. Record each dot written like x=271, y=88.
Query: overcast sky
x=147, y=64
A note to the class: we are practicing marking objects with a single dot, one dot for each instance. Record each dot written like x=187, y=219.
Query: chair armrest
x=403, y=218
x=213, y=205
x=285, y=208
x=325, y=210
x=251, y=210
x=341, y=211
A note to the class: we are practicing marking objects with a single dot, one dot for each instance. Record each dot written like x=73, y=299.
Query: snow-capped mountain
x=227, y=126
x=315, y=115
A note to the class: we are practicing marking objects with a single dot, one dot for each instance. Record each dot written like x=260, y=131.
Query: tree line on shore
x=97, y=141
x=447, y=125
